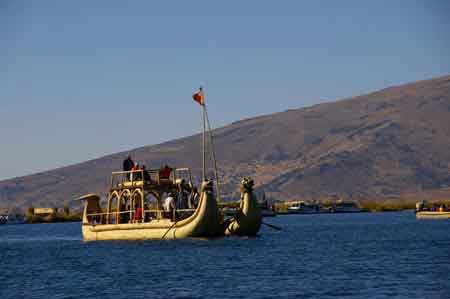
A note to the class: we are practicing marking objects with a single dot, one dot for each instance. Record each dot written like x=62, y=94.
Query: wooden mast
x=216, y=173
x=205, y=119
x=203, y=141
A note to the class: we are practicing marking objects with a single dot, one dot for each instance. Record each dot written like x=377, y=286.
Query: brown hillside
x=382, y=145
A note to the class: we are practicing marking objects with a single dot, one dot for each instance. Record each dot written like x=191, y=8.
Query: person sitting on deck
x=164, y=172
x=128, y=164
x=137, y=175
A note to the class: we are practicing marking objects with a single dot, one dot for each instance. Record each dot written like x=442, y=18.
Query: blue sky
x=82, y=79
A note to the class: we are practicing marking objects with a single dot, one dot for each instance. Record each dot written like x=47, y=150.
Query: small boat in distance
x=433, y=215
x=303, y=207
x=434, y=212
x=342, y=206
x=12, y=219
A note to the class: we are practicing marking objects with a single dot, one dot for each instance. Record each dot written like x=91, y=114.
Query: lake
x=366, y=255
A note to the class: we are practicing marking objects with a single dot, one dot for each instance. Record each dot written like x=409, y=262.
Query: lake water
x=369, y=255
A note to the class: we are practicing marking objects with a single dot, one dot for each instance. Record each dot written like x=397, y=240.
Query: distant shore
x=278, y=207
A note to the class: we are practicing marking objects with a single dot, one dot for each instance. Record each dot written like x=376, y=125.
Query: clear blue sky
x=82, y=79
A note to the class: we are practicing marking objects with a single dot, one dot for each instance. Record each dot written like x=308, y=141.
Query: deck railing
x=135, y=177
x=129, y=216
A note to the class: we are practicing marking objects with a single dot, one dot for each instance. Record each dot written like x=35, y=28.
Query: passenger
x=182, y=196
x=169, y=205
x=146, y=174
x=128, y=164
x=137, y=175
x=193, y=198
x=147, y=216
x=138, y=213
x=123, y=216
x=164, y=172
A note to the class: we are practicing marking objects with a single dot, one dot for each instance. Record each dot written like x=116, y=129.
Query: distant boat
x=303, y=207
x=12, y=219
x=345, y=207
x=422, y=212
x=433, y=215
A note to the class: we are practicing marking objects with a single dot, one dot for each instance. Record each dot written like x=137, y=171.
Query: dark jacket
x=128, y=164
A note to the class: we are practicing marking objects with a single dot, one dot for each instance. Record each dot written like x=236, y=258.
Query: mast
x=199, y=97
x=216, y=173
x=203, y=143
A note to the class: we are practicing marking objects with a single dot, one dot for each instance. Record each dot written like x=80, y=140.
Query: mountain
x=392, y=143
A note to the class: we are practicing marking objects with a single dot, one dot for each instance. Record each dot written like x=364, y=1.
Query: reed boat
x=119, y=223
x=134, y=209
x=247, y=219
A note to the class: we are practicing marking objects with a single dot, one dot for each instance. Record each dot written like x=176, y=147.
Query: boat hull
x=203, y=223
x=433, y=215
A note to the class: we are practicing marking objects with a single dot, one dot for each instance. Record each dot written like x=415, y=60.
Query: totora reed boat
x=137, y=204
x=141, y=224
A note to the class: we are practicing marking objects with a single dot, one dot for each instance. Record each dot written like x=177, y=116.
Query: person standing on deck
x=193, y=199
x=169, y=205
x=138, y=213
x=182, y=196
x=147, y=177
x=128, y=164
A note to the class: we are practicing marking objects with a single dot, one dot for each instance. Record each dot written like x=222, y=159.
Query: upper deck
x=150, y=179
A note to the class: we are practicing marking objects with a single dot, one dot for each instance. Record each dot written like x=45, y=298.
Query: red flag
x=199, y=97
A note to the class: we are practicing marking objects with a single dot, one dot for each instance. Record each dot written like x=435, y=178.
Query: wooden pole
x=216, y=173
x=203, y=146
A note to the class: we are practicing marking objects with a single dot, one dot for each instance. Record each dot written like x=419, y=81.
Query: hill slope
x=394, y=142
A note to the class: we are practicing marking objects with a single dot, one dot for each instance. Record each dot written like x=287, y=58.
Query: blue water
x=373, y=255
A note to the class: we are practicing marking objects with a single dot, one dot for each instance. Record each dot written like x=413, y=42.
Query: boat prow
x=247, y=220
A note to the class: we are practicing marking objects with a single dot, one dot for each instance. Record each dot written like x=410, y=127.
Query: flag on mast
x=199, y=97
